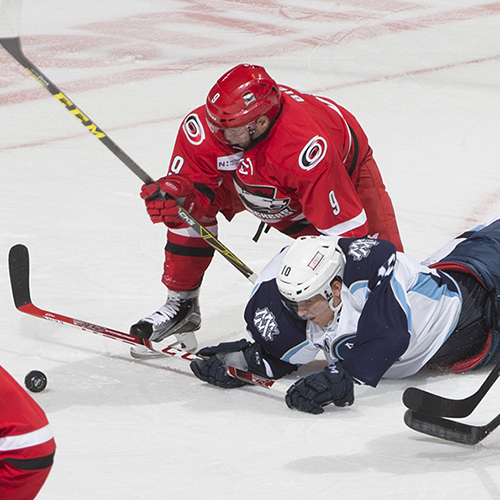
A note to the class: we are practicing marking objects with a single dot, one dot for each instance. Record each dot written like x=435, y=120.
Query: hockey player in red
x=300, y=163
x=27, y=443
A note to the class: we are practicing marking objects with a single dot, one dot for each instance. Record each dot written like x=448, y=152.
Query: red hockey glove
x=182, y=191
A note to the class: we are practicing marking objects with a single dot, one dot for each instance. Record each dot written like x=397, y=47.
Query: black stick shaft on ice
x=432, y=404
x=449, y=430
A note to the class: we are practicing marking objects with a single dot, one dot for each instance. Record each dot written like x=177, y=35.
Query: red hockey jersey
x=311, y=173
x=27, y=443
x=303, y=171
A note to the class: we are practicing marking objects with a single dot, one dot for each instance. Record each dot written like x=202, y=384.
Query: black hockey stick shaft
x=13, y=46
x=432, y=404
x=19, y=270
x=449, y=430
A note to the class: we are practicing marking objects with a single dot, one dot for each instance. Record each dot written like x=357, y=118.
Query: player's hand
x=164, y=197
x=213, y=371
x=311, y=393
x=213, y=362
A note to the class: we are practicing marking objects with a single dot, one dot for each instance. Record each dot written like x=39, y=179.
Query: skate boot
x=179, y=316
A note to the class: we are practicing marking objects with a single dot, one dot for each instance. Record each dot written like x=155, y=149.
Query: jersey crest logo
x=266, y=324
x=261, y=201
x=313, y=153
x=195, y=133
x=360, y=249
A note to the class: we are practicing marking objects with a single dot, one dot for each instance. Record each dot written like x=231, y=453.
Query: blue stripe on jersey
x=358, y=285
x=434, y=287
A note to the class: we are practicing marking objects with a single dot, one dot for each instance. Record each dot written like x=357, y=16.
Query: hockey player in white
x=373, y=311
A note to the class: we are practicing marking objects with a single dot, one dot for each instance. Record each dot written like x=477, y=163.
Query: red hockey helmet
x=239, y=97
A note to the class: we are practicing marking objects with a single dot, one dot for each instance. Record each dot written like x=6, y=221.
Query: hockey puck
x=35, y=381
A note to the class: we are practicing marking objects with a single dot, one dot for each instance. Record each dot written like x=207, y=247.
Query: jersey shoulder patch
x=313, y=152
x=367, y=258
x=193, y=129
x=266, y=324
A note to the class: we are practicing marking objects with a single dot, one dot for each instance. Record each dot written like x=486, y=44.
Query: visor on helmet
x=301, y=306
x=233, y=136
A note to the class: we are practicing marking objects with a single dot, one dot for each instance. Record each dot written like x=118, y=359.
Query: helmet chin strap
x=251, y=129
x=336, y=310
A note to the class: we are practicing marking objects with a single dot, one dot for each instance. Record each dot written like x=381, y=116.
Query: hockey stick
x=19, y=269
x=431, y=404
x=450, y=430
x=10, y=12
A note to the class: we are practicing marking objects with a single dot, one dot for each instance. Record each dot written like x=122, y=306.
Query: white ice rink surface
x=423, y=78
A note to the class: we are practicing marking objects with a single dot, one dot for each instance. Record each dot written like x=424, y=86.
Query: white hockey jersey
x=395, y=315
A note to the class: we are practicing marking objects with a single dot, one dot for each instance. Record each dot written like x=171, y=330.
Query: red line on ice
x=116, y=37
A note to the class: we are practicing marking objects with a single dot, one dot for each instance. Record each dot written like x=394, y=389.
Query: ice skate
x=179, y=314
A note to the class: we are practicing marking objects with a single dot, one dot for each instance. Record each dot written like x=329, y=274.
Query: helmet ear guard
x=308, y=268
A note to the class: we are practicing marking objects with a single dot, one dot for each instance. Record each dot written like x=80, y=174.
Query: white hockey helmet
x=308, y=267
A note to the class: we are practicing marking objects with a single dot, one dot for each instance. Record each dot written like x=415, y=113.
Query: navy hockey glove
x=213, y=367
x=311, y=393
x=213, y=371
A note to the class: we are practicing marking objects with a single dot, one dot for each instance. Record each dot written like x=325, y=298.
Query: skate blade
x=186, y=341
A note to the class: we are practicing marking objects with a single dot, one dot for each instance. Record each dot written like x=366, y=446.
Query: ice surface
x=422, y=78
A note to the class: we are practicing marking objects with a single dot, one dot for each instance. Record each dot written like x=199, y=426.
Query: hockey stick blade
x=449, y=430
x=19, y=275
x=422, y=401
x=19, y=270
x=10, y=12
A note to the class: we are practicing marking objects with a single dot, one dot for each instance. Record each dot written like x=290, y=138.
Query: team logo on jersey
x=262, y=200
x=360, y=249
x=266, y=324
x=194, y=130
x=313, y=153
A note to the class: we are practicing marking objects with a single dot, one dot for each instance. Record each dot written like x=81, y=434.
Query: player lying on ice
x=373, y=311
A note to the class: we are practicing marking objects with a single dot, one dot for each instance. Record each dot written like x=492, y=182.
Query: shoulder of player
x=364, y=257
x=299, y=142
x=193, y=133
